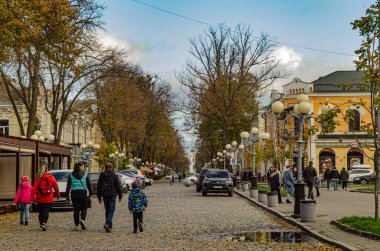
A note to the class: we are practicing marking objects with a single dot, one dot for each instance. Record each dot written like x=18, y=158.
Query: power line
x=205, y=23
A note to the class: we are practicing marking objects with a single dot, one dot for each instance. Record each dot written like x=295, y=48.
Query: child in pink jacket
x=23, y=197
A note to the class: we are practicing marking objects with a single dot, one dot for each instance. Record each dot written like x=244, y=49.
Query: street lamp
x=115, y=157
x=301, y=112
x=87, y=151
x=264, y=136
x=38, y=136
x=277, y=108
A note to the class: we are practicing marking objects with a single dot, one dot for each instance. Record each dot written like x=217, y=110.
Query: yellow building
x=347, y=145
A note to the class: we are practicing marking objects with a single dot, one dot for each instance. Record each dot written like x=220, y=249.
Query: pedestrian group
x=79, y=191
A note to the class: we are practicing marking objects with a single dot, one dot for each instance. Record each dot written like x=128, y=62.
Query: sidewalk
x=335, y=205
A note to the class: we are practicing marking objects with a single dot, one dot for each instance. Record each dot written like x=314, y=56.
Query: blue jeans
x=109, y=206
x=24, y=210
x=335, y=182
x=328, y=183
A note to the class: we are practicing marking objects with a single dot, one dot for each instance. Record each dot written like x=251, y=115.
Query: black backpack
x=108, y=186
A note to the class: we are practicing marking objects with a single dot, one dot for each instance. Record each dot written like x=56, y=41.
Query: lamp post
x=87, y=151
x=301, y=112
x=253, y=137
x=232, y=149
x=115, y=157
x=277, y=108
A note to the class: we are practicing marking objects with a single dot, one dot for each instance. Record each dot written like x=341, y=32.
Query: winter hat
x=135, y=184
x=24, y=178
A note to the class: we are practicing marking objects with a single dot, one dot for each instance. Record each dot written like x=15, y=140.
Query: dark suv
x=200, y=179
x=217, y=181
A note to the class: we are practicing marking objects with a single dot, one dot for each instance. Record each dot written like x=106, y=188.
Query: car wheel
x=198, y=190
x=204, y=193
x=363, y=182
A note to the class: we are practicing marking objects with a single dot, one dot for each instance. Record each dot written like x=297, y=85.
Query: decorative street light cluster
x=135, y=161
x=301, y=113
x=87, y=151
x=38, y=136
x=253, y=137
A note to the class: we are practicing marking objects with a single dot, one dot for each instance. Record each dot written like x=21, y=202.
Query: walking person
x=335, y=178
x=275, y=185
x=309, y=174
x=23, y=195
x=77, y=186
x=108, y=188
x=137, y=204
x=295, y=171
x=328, y=177
x=43, y=188
x=288, y=181
x=344, y=175
x=317, y=185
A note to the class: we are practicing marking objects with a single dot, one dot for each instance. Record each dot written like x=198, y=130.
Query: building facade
x=348, y=144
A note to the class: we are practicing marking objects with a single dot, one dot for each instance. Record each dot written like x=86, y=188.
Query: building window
x=354, y=121
x=4, y=127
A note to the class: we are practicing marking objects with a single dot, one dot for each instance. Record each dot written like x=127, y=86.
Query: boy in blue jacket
x=137, y=204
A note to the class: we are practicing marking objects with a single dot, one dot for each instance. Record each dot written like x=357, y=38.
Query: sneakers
x=135, y=231
x=77, y=228
x=43, y=227
x=82, y=225
x=288, y=201
x=26, y=223
x=107, y=228
x=141, y=227
x=21, y=223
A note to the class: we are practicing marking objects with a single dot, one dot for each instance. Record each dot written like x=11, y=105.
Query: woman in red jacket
x=43, y=194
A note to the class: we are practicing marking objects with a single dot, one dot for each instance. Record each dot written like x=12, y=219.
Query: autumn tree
x=30, y=33
x=228, y=69
x=369, y=62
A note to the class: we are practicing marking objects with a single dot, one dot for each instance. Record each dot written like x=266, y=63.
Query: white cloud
x=288, y=58
x=135, y=52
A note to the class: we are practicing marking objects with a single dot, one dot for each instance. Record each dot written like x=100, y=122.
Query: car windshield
x=61, y=176
x=217, y=174
x=204, y=171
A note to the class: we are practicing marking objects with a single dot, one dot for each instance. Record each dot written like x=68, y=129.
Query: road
x=177, y=218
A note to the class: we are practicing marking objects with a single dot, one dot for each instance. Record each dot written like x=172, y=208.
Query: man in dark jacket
x=344, y=177
x=108, y=188
x=309, y=174
x=274, y=181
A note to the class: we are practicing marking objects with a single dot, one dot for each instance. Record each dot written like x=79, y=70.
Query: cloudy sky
x=159, y=41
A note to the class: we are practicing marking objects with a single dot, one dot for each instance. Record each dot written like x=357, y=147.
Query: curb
x=355, y=231
x=301, y=225
x=358, y=191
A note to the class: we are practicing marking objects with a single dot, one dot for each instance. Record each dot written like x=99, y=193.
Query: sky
x=159, y=41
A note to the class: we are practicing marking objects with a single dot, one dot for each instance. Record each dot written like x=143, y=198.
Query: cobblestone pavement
x=177, y=218
x=333, y=205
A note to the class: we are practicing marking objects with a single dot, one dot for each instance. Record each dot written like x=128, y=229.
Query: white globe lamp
x=304, y=107
x=255, y=130
x=278, y=107
x=244, y=135
x=302, y=98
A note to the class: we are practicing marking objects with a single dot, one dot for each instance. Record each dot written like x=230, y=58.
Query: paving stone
x=177, y=218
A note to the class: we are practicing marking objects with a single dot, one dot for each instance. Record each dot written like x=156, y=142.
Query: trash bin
x=308, y=210
x=245, y=187
x=254, y=193
x=239, y=186
x=263, y=196
x=272, y=199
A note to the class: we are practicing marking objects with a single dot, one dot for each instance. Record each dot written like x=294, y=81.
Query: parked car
x=94, y=177
x=217, y=181
x=366, y=179
x=358, y=173
x=126, y=181
x=134, y=175
x=192, y=178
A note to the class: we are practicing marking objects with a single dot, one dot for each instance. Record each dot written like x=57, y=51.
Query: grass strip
x=367, y=224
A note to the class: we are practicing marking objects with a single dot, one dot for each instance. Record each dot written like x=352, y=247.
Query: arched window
x=354, y=121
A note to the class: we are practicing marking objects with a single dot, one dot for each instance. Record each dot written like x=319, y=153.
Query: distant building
x=342, y=146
